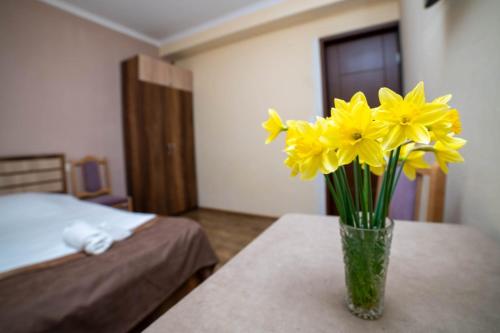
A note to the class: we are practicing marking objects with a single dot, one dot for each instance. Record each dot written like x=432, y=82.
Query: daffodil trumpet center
x=356, y=136
x=405, y=120
x=316, y=149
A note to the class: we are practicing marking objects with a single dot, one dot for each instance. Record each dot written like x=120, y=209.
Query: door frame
x=343, y=37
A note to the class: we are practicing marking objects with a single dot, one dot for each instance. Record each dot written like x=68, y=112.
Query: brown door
x=361, y=61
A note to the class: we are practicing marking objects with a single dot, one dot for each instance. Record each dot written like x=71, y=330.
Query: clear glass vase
x=366, y=257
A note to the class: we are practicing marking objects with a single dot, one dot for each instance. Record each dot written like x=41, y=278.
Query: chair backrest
x=91, y=170
x=407, y=201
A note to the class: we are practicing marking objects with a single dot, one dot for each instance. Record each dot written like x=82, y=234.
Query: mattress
x=31, y=225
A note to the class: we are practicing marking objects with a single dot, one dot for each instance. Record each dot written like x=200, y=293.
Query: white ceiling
x=160, y=20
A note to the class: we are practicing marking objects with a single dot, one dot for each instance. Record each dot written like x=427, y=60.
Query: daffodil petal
x=453, y=156
x=430, y=115
x=329, y=161
x=417, y=95
x=340, y=104
x=274, y=116
x=452, y=142
x=386, y=116
x=346, y=154
x=273, y=125
x=370, y=152
x=446, y=155
x=417, y=133
x=309, y=168
x=395, y=137
x=442, y=99
x=388, y=97
x=442, y=165
x=378, y=170
x=271, y=137
x=416, y=160
x=359, y=97
x=375, y=131
x=409, y=172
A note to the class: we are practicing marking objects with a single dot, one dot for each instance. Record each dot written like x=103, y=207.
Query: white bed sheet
x=31, y=225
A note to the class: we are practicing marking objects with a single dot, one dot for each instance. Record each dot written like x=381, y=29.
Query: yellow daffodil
x=294, y=129
x=307, y=154
x=355, y=132
x=444, y=130
x=452, y=115
x=364, y=136
x=340, y=104
x=407, y=118
x=454, y=118
x=274, y=125
x=412, y=160
x=378, y=171
x=292, y=135
x=445, y=155
x=292, y=162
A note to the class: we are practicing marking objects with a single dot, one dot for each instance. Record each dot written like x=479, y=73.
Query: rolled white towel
x=82, y=236
x=116, y=232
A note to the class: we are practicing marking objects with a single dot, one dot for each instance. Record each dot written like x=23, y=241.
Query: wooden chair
x=407, y=200
x=92, y=170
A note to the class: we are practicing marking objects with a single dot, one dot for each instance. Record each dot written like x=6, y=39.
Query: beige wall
x=454, y=47
x=233, y=87
x=60, y=84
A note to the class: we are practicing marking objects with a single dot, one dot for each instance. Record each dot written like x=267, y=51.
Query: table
x=442, y=278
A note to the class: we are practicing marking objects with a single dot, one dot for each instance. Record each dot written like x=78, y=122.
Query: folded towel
x=82, y=236
x=116, y=232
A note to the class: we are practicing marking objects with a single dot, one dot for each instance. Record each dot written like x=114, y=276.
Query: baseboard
x=225, y=211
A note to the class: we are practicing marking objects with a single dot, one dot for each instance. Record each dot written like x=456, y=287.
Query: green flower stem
x=358, y=210
x=367, y=191
x=362, y=191
x=343, y=199
x=388, y=194
x=335, y=197
x=357, y=182
x=397, y=177
x=349, y=200
x=382, y=194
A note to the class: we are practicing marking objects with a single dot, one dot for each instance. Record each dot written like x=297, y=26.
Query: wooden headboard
x=33, y=173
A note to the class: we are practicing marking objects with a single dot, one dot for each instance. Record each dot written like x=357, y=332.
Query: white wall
x=235, y=84
x=454, y=47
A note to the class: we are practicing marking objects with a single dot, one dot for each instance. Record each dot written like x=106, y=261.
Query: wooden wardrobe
x=159, y=138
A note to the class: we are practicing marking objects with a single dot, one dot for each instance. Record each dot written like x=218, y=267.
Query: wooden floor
x=229, y=232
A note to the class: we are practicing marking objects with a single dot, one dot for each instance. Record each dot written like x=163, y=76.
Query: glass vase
x=366, y=257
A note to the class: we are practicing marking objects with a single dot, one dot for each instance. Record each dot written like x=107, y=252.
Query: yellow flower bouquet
x=388, y=140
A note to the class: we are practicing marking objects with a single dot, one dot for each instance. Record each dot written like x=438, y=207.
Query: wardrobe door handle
x=170, y=148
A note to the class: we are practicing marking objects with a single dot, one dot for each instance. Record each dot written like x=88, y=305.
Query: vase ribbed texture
x=366, y=259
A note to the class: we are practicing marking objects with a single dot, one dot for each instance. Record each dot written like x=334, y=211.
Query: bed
x=48, y=287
